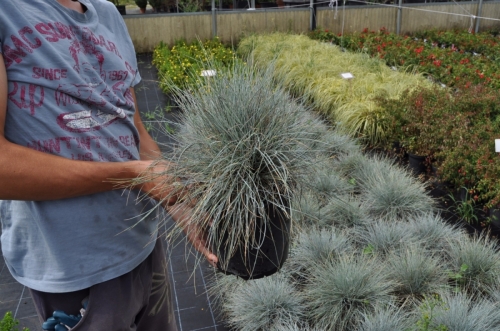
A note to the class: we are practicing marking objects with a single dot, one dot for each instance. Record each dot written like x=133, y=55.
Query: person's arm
x=149, y=149
x=26, y=174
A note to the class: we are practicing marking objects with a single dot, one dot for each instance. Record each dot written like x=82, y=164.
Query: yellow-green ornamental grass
x=313, y=69
x=183, y=63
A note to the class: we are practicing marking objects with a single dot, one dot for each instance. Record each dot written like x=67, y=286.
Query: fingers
x=209, y=256
x=195, y=233
x=197, y=239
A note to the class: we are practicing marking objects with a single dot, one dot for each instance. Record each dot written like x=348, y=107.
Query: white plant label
x=347, y=75
x=497, y=145
x=208, y=73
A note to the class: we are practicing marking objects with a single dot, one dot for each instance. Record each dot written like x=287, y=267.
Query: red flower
x=419, y=50
x=437, y=63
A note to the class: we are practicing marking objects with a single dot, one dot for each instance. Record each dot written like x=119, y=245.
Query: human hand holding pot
x=196, y=234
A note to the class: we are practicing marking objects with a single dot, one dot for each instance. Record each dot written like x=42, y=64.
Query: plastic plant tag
x=347, y=75
x=497, y=145
x=208, y=73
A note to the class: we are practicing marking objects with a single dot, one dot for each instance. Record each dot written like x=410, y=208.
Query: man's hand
x=196, y=234
x=155, y=181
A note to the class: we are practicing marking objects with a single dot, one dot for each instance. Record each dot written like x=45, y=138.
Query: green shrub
x=182, y=64
x=8, y=323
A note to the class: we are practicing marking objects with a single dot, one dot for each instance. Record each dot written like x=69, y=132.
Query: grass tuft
x=266, y=304
x=416, y=273
x=464, y=313
x=339, y=293
x=388, y=318
x=474, y=263
x=316, y=247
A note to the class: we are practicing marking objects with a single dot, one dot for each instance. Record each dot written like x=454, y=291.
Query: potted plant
x=142, y=4
x=242, y=150
x=121, y=8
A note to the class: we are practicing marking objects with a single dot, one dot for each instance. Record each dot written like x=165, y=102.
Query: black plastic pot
x=265, y=260
x=495, y=218
x=417, y=164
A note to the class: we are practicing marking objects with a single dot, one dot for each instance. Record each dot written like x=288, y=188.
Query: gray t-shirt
x=68, y=95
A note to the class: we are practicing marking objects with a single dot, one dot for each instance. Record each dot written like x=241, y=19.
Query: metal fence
x=147, y=31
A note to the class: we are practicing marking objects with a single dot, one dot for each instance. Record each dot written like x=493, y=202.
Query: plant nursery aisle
x=193, y=309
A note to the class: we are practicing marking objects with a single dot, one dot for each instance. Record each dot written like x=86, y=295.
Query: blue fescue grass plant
x=435, y=235
x=390, y=192
x=474, y=263
x=327, y=183
x=267, y=304
x=387, y=318
x=316, y=247
x=243, y=144
x=460, y=312
x=416, y=273
x=384, y=237
x=345, y=211
x=339, y=293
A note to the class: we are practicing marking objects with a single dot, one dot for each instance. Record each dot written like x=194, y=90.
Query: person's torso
x=68, y=95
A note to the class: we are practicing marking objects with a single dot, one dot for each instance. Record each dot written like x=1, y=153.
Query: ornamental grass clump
x=307, y=210
x=416, y=274
x=242, y=150
x=267, y=304
x=474, y=263
x=316, y=247
x=327, y=183
x=390, y=192
x=345, y=212
x=339, y=293
x=383, y=237
x=388, y=318
x=460, y=312
x=435, y=235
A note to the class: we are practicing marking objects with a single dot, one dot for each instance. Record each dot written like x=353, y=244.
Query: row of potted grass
x=463, y=59
x=317, y=72
x=368, y=251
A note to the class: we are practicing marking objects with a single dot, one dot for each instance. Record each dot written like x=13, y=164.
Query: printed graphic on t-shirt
x=97, y=99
